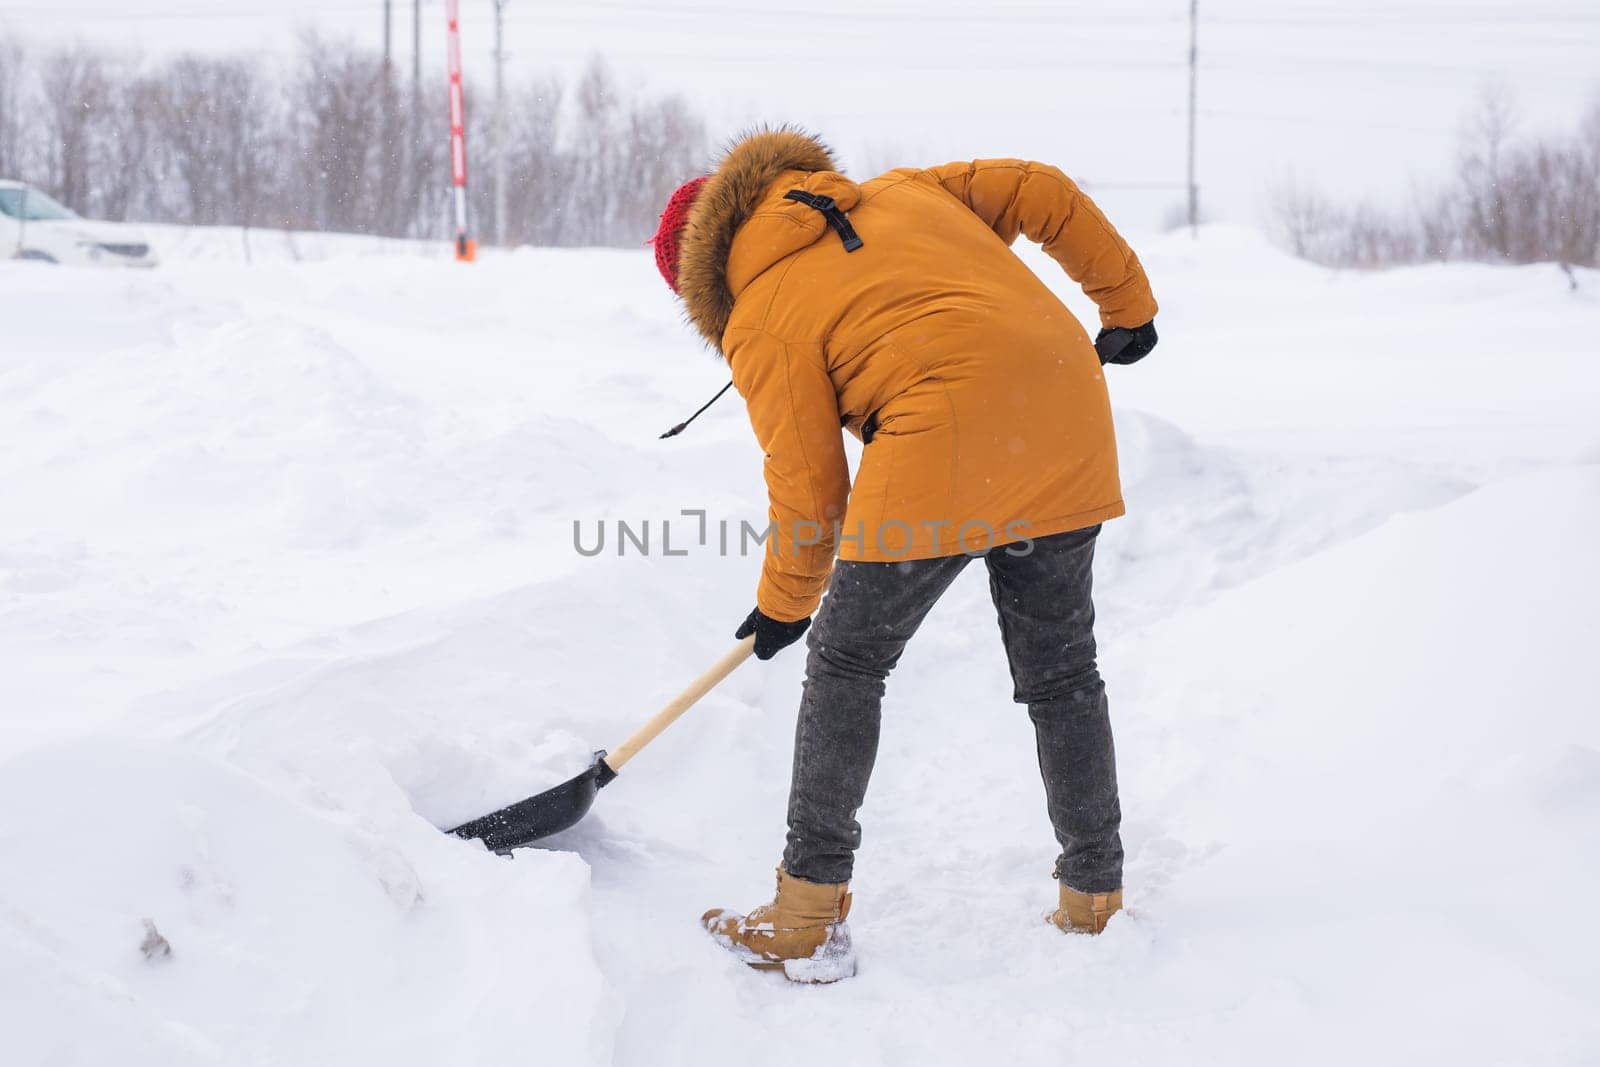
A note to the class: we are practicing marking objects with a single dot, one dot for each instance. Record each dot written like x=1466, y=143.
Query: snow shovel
x=521, y=824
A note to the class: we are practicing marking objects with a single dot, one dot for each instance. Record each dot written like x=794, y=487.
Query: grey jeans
x=1047, y=624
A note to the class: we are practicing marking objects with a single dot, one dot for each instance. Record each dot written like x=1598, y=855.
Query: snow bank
x=230, y=244
x=1384, y=761
x=294, y=931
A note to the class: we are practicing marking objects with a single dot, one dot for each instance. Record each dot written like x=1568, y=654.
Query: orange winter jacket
x=978, y=393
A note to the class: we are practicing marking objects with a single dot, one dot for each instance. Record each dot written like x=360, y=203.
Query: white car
x=33, y=226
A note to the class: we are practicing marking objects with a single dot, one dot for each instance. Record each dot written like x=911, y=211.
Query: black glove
x=772, y=636
x=1119, y=345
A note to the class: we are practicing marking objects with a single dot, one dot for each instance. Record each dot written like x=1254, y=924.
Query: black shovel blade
x=521, y=824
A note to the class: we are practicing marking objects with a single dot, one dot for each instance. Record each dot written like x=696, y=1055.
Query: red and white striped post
x=466, y=248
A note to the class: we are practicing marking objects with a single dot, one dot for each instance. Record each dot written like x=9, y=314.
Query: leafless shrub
x=1510, y=202
x=1176, y=216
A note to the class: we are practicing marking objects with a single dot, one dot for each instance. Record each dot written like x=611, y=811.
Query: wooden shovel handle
x=681, y=703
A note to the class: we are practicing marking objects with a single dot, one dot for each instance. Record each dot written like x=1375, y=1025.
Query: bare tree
x=13, y=88
x=76, y=90
x=218, y=131
x=333, y=143
x=1483, y=174
x=598, y=163
x=340, y=137
x=668, y=145
x=126, y=175
x=537, y=169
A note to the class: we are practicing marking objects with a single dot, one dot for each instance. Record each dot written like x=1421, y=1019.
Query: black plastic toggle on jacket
x=831, y=211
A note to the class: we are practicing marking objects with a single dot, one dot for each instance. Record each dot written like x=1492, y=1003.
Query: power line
x=1345, y=14
x=847, y=16
x=1230, y=61
x=598, y=10
x=1317, y=120
x=199, y=15
x=1264, y=65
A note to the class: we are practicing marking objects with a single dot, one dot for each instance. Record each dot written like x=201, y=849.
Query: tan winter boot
x=802, y=932
x=1085, y=913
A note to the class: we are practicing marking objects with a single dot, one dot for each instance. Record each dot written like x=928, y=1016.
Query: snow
x=301, y=931
x=287, y=581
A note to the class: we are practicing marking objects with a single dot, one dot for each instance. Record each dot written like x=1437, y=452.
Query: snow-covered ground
x=287, y=579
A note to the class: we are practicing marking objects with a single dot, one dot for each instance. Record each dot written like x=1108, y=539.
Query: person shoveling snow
x=895, y=309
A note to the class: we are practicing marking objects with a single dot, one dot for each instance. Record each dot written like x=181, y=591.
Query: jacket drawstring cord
x=684, y=425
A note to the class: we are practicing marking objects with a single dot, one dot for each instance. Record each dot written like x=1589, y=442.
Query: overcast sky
x=1361, y=98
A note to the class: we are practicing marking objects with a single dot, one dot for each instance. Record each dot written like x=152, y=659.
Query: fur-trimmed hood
x=736, y=190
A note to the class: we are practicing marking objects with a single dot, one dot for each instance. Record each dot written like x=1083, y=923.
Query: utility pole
x=499, y=123
x=414, y=148
x=1194, y=69
x=386, y=38
x=416, y=61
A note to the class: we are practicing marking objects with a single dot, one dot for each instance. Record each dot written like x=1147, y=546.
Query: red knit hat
x=673, y=220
